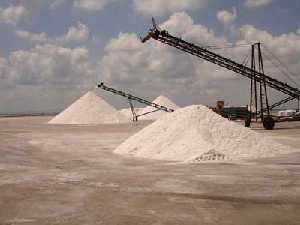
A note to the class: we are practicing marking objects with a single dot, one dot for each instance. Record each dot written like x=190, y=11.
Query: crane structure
x=131, y=98
x=256, y=76
x=258, y=91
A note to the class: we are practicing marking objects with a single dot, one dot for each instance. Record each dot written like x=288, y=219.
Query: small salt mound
x=89, y=109
x=128, y=114
x=161, y=100
x=196, y=133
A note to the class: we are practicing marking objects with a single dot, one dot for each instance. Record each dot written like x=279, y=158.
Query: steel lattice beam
x=134, y=98
x=166, y=38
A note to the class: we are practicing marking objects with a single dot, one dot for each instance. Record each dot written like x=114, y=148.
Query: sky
x=53, y=51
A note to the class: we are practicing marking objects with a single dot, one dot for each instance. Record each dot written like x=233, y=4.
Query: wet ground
x=69, y=175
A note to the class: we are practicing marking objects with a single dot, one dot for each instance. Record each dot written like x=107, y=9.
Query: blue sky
x=278, y=18
x=41, y=40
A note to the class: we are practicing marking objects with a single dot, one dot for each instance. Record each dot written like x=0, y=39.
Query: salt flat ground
x=69, y=175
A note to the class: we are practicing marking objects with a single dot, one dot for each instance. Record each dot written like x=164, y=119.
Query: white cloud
x=257, y=3
x=50, y=65
x=13, y=14
x=32, y=37
x=46, y=77
x=158, y=7
x=56, y=3
x=92, y=5
x=79, y=33
x=285, y=46
x=144, y=7
x=3, y=69
x=181, y=24
x=226, y=17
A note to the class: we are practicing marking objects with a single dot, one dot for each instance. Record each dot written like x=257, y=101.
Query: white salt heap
x=89, y=109
x=196, y=133
x=161, y=100
x=127, y=112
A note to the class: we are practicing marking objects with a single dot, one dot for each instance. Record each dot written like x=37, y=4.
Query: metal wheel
x=247, y=122
x=269, y=123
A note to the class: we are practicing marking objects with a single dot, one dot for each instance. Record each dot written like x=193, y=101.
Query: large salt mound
x=89, y=109
x=196, y=133
x=161, y=100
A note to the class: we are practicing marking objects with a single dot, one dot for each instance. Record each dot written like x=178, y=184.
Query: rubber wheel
x=247, y=122
x=268, y=123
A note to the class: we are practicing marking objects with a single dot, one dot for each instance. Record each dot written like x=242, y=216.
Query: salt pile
x=89, y=109
x=161, y=100
x=128, y=114
x=196, y=133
